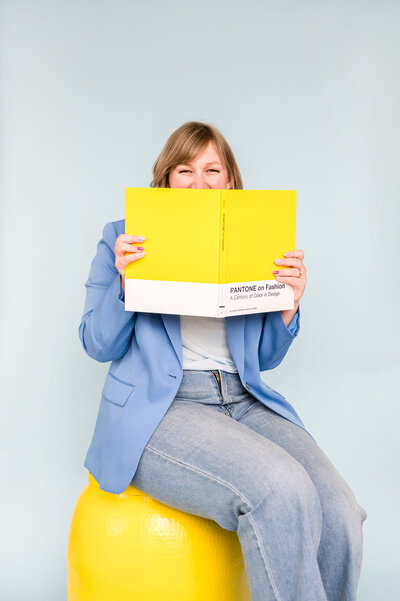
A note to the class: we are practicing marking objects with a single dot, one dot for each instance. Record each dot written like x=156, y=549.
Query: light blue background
x=307, y=94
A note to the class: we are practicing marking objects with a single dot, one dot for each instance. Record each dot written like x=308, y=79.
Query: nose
x=199, y=181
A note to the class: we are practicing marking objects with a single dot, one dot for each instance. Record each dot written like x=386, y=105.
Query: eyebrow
x=206, y=165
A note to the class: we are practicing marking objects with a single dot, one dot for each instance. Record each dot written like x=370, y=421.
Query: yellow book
x=209, y=252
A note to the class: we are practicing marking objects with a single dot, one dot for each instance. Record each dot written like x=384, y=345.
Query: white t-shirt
x=204, y=344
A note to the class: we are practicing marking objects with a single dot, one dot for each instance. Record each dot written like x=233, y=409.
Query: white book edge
x=207, y=300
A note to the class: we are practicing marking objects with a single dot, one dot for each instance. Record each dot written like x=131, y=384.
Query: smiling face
x=205, y=171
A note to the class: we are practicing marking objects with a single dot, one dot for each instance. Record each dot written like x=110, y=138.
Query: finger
x=289, y=280
x=133, y=257
x=291, y=263
x=130, y=248
x=130, y=238
x=298, y=253
x=287, y=273
x=122, y=262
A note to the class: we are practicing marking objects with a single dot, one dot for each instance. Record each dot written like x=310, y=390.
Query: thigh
x=333, y=490
x=202, y=461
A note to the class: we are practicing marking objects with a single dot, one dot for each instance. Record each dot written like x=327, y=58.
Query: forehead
x=206, y=156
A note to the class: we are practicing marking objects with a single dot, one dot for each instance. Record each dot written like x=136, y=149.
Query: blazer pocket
x=116, y=391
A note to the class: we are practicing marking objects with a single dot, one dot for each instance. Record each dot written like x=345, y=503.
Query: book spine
x=222, y=253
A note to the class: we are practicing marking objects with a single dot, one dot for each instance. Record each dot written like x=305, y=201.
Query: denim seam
x=265, y=559
x=215, y=478
x=244, y=412
x=225, y=410
x=195, y=469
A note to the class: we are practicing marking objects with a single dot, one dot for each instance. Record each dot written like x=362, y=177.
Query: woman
x=186, y=417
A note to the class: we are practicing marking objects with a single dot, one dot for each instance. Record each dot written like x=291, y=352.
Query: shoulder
x=119, y=226
x=113, y=229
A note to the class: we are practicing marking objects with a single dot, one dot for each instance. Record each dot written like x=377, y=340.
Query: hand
x=123, y=244
x=295, y=277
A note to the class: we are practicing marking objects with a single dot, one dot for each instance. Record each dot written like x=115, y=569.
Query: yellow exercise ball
x=130, y=547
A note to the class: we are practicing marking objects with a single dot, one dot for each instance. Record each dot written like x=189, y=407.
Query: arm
x=106, y=327
x=288, y=314
x=276, y=338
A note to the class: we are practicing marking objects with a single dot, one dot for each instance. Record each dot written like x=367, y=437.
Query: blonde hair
x=184, y=144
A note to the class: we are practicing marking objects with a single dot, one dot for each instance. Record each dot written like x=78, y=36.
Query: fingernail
x=278, y=261
x=275, y=272
x=141, y=254
x=141, y=238
x=140, y=247
x=286, y=254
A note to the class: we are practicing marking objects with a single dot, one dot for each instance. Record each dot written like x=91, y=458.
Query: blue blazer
x=145, y=350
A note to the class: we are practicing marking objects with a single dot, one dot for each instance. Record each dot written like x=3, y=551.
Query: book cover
x=209, y=252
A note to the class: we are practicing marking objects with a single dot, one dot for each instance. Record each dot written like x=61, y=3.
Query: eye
x=188, y=170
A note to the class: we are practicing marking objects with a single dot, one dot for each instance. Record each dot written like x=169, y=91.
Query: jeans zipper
x=225, y=409
x=218, y=378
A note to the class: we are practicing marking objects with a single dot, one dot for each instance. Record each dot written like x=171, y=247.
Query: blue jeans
x=220, y=453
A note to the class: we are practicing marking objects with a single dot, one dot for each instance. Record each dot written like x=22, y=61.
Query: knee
x=295, y=491
x=343, y=514
x=287, y=486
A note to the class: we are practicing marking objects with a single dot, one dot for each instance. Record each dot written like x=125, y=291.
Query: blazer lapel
x=172, y=324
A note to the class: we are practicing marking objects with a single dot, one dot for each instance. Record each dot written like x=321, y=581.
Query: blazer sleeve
x=276, y=338
x=106, y=328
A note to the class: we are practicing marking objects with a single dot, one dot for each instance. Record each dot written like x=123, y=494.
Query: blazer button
x=247, y=386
